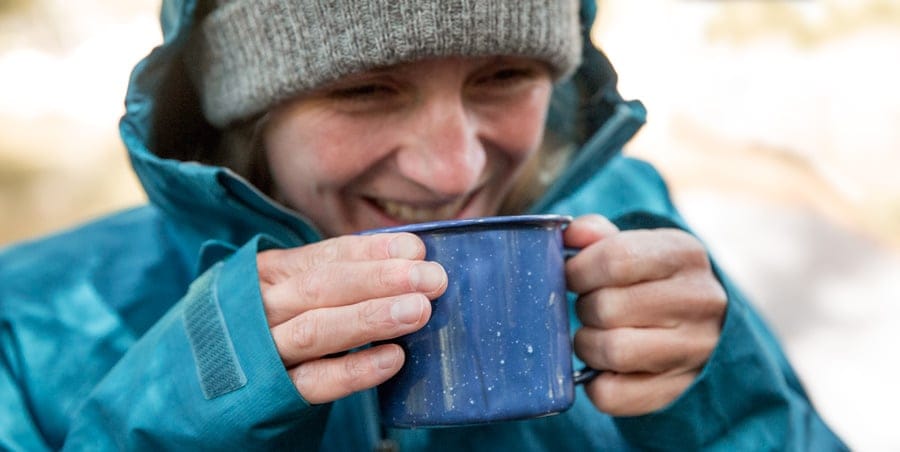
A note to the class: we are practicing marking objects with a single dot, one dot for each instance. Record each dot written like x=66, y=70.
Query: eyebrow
x=405, y=66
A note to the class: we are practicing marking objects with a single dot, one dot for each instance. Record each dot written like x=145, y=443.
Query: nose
x=443, y=152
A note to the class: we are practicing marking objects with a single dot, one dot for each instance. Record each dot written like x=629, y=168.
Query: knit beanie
x=248, y=55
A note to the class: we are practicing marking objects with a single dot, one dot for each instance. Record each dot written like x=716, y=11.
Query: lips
x=405, y=212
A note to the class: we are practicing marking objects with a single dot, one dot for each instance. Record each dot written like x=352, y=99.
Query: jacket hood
x=162, y=113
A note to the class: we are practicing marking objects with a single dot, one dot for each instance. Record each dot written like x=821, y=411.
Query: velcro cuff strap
x=216, y=361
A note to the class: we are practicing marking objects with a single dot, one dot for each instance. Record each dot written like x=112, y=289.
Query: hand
x=330, y=297
x=651, y=311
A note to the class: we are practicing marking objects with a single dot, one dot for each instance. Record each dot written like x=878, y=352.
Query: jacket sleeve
x=747, y=397
x=18, y=430
x=205, y=377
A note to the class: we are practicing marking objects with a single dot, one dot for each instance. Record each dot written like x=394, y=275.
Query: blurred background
x=777, y=124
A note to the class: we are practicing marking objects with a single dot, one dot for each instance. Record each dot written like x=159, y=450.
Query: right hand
x=329, y=297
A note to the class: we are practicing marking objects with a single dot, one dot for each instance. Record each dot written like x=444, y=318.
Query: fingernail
x=427, y=276
x=404, y=246
x=407, y=310
x=386, y=360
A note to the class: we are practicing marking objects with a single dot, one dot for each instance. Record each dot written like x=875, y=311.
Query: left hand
x=651, y=311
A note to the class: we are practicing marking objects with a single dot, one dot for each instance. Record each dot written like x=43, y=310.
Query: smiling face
x=430, y=140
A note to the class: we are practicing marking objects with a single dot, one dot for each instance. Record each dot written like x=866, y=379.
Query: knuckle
x=709, y=297
x=303, y=331
x=618, y=351
x=268, y=293
x=355, y=369
x=320, y=253
x=372, y=317
x=714, y=294
x=394, y=275
x=310, y=285
x=306, y=378
x=270, y=266
x=378, y=246
x=300, y=377
x=689, y=250
x=264, y=265
x=330, y=252
x=696, y=257
x=620, y=259
x=717, y=292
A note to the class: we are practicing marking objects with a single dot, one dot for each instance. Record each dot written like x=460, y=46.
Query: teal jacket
x=144, y=330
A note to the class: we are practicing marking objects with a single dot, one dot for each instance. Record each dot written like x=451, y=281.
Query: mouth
x=407, y=212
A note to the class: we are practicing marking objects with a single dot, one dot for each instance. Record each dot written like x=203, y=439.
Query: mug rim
x=480, y=222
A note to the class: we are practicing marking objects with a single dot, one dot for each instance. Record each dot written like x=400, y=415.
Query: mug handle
x=586, y=373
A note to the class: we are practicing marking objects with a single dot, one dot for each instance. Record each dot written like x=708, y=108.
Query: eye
x=362, y=91
x=508, y=74
x=366, y=95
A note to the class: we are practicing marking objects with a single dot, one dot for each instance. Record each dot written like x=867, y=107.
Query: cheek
x=320, y=153
x=519, y=128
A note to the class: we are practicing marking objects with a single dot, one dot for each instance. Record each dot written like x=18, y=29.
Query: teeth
x=408, y=213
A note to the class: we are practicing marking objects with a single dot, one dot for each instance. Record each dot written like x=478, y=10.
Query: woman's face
x=431, y=140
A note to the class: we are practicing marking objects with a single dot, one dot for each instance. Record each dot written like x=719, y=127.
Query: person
x=235, y=310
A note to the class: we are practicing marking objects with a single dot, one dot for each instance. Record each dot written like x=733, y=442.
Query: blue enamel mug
x=497, y=346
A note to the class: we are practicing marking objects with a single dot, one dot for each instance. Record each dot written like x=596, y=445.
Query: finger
x=322, y=332
x=633, y=256
x=588, y=229
x=654, y=350
x=665, y=303
x=327, y=380
x=342, y=283
x=636, y=394
x=277, y=265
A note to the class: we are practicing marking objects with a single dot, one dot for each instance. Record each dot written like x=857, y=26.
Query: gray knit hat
x=248, y=55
